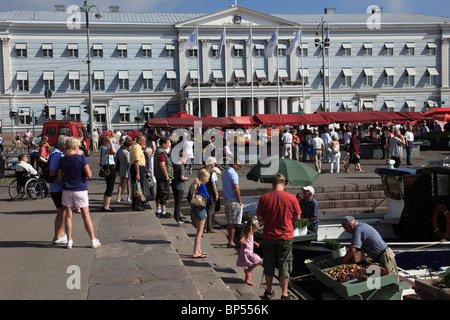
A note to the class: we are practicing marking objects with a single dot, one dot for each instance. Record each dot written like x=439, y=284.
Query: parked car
x=52, y=129
x=131, y=133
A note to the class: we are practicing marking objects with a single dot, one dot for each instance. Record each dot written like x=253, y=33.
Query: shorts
x=278, y=254
x=198, y=213
x=233, y=211
x=57, y=199
x=162, y=191
x=75, y=199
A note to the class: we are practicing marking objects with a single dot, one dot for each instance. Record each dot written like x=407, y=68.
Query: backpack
x=46, y=171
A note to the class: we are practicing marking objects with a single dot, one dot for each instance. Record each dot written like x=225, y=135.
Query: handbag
x=104, y=171
x=137, y=191
x=197, y=200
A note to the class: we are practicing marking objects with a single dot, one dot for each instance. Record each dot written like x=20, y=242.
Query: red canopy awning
x=190, y=122
x=437, y=111
x=289, y=119
x=244, y=122
x=182, y=115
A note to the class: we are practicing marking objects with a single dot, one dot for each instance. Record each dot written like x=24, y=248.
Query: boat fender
x=438, y=210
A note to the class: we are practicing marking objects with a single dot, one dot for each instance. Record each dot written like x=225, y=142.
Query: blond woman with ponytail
x=198, y=214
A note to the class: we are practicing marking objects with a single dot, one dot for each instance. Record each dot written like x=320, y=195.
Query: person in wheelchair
x=24, y=171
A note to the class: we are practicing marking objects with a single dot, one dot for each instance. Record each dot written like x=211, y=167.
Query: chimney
x=330, y=10
x=113, y=9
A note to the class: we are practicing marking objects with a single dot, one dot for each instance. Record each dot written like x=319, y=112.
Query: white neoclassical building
x=374, y=61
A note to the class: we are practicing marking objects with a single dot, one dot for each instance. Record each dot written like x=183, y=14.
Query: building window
x=149, y=112
x=170, y=51
x=98, y=50
x=260, y=75
x=47, y=50
x=303, y=50
x=193, y=53
x=281, y=49
x=431, y=48
x=147, y=80
x=347, y=77
x=389, y=74
x=410, y=48
x=239, y=75
x=22, y=81
x=49, y=80
x=171, y=79
x=368, y=77
x=346, y=49
x=124, y=113
x=389, y=49
x=367, y=49
x=410, y=74
x=123, y=80
x=73, y=50
x=100, y=114
x=99, y=81
x=21, y=50
x=75, y=114
x=238, y=50
x=24, y=116
x=74, y=80
x=122, y=51
x=147, y=50
x=218, y=75
x=214, y=50
x=259, y=50
x=304, y=75
x=432, y=76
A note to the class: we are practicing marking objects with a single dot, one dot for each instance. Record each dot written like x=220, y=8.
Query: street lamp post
x=86, y=9
x=323, y=43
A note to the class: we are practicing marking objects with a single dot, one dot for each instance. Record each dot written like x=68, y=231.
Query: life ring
x=438, y=210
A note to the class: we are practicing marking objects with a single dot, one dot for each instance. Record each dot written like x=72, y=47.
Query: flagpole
x=303, y=70
x=226, y=77
x=251, y=66
x=199, y=77
x=278, y=71
x=329, y=75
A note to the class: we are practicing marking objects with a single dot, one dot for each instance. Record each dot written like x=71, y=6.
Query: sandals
x=202, y=256
x=288, y=297
x=268, y=295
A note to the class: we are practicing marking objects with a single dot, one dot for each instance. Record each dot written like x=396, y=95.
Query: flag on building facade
x=221, y=44
x=296, y=43
x=191, y=42
x=273, y=42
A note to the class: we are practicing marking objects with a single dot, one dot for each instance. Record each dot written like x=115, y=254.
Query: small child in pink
x=247, y=258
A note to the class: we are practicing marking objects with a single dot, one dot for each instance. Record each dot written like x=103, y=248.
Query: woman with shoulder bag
x=107, y=152
x=197, y=197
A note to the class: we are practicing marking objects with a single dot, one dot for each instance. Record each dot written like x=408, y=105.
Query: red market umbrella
x=182, y=114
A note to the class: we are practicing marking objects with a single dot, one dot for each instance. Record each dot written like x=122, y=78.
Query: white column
x=182, y=66
x=205, y=61
x=214, y=112
x=295, y=104
x=284, y=106
x=237, y=107
x=190, y=106
x=444, y=63
x=260, y=106
x=7, y=77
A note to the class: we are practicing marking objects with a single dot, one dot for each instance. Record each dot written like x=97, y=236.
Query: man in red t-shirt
x=278, y=210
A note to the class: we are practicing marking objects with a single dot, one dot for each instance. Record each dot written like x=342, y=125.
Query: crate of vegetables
x=354, y=281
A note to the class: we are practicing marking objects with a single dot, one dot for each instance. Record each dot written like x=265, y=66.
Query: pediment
x=235, y=16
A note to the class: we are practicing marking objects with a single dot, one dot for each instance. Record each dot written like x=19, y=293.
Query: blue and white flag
x=221, y=44
x=191, y=42
x=249, y=44
x=296, y=43
x=273, y=42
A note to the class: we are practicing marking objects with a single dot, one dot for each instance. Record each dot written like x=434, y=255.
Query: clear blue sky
x=429, y=7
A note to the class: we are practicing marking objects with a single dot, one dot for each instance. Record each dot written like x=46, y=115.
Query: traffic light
x=63, y=112
x=86, y=109
x=12, y=114
x=46, y=111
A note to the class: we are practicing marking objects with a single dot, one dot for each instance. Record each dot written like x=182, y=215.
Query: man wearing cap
x=278, y=210
x=310, y=208
x=365, y=237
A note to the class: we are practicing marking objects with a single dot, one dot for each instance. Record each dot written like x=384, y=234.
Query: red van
x=52, y=129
